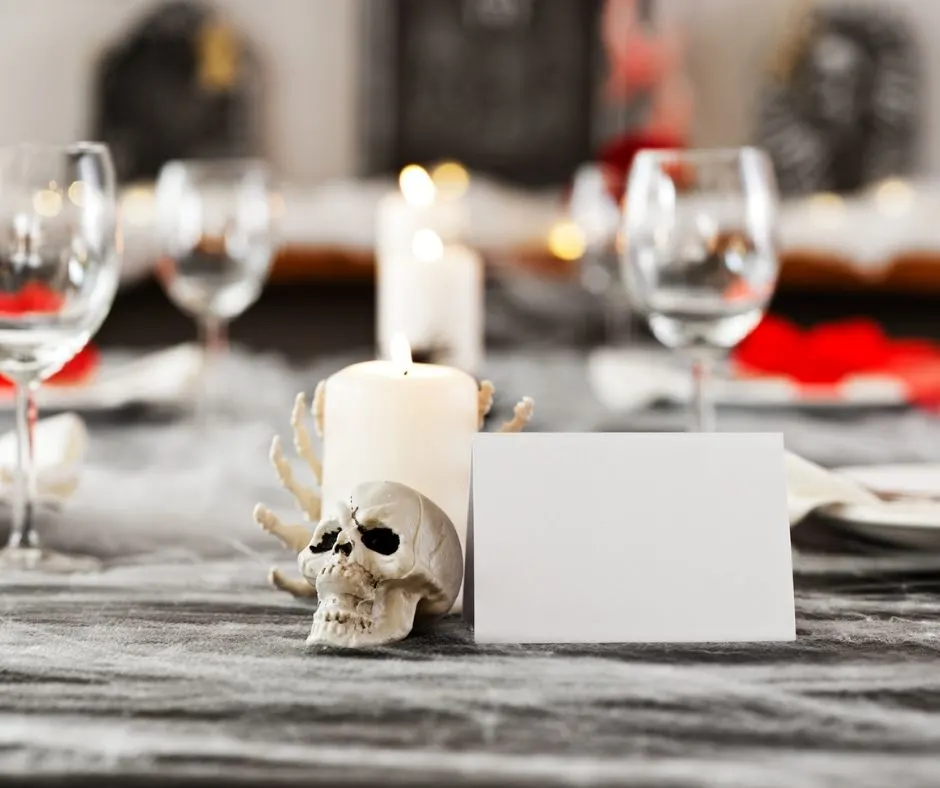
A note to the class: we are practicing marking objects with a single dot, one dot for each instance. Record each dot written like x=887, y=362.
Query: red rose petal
x=825, y=353
x=35, y=297
x=78, y=370
x=848, y=346
x=618, y=155
x=770, y=348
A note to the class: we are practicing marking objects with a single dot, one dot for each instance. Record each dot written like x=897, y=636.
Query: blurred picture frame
x=511, y=88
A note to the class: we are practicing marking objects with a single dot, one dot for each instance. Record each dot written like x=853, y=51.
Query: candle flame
x=416, y=185
x=894, y=197
x=400, y=351
x=76, y=193
x=451, y=179
x=827, y=209
x=47, y=202
x=827, y=200
x=427, y=246
x=277, y=205
x=138, y=206
x=566, y=241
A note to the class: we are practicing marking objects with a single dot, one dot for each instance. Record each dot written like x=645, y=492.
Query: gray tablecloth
x=178, y=660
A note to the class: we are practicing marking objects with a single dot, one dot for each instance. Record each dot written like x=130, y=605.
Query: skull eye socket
x=326, y=542
x=380, y=539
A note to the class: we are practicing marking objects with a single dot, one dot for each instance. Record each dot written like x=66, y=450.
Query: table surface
x=179, y=662
x=198, y=671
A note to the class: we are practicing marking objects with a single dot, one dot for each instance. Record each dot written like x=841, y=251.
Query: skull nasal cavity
x=343, y=547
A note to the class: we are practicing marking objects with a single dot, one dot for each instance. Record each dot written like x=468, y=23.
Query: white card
x=629, y=538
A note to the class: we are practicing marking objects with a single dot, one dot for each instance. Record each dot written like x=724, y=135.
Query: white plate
x=922, y=479
x=908, y=523
x=901, y=523
x=165, y=378
x=630, y=379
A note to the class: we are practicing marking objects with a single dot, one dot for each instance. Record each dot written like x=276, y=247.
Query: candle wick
x=405, y=372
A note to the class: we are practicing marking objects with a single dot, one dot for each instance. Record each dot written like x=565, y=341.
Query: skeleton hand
x=319, y=406
x=307, y=499
x=302, y=438
x=484, y=400
x=298, y=588
x=522, y=415
x=296, y=537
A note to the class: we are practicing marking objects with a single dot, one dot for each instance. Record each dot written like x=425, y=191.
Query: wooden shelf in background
x=322, y=264
x=914, y=272
x=801, y=270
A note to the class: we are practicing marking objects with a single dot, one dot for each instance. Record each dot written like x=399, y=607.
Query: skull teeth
x=345, y=570
x=338, y=616
x=347, y=592
x=345, y=578
x=341, y=623
x=334, y=617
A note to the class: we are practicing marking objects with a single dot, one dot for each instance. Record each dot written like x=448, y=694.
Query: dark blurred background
x=339, y=96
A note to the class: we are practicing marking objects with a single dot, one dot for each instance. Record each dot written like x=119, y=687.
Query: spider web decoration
x=844, y=112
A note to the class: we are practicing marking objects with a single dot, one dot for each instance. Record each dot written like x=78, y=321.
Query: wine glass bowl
x=707, y=298
x=59, y=271
x=700, y=257
x=215, y=228
x=214, y=221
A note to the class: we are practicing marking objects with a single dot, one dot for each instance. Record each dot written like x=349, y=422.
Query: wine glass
x=596, y=214
x=214, y=220
x=700, y=258
x=59, y=261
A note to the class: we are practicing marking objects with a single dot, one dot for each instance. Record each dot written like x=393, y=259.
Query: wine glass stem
x=214, y=335
x=702, y=403
x=617, y=317
x=23, y=533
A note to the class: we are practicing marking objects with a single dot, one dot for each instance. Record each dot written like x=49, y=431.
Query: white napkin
x=164, y=377
x=630, y=379
x=60, y=444
x=810, y=486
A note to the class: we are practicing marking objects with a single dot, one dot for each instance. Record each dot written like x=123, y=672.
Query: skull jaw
x=341, y=620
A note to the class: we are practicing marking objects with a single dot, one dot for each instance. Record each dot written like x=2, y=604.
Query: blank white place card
x=629, y=538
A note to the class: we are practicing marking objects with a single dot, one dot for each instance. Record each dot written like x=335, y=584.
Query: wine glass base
x=41, y=559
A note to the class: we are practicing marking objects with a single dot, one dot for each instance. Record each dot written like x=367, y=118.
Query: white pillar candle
x=433, y=295
x=401, y=422
x=429, y=287
x=415, y=206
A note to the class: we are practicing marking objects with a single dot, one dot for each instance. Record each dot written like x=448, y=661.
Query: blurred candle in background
x=430, y=286
x=137, y=213
x=894, y=197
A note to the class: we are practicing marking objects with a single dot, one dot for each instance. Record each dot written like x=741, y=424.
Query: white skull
x=379, y=560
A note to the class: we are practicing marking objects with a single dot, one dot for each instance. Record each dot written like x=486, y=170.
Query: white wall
x=47, y=48
x=732, y=42
x=310, y=48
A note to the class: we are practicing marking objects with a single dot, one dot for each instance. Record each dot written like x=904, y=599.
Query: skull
x=379, y=561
